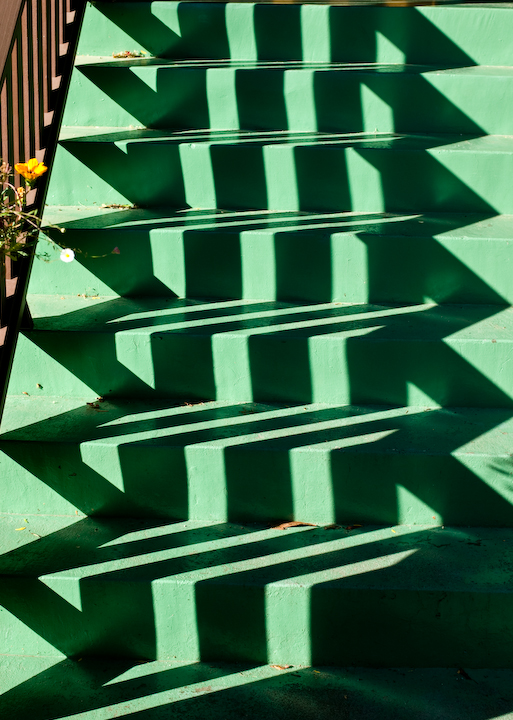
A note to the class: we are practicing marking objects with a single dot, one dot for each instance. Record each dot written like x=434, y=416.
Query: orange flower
x=31, y=170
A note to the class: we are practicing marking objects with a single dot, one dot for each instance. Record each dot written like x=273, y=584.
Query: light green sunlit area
x=256, y=459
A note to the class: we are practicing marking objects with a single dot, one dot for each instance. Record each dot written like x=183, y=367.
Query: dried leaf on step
x=117, y=206
x=353, y=527
x=333, y=526
x=129, y=54
x=281, y=667
x=464, y=674
x=291, y=524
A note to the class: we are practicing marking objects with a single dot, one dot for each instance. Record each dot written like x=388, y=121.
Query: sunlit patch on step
x=365, y=183
x=497, y=472
x=315, y=33
x=207, y=500
x=232, y=379
x=135, y=352
x=104, y=459
x=378, y=116
x=148, y=76
x=222, y=98
x=67, y=588
x=240, y=31
x=417, y=396
x=410, y=506
x=299, y=94
x=198, y=174
x=167, y=13
x=387, y=51
x=281, y=177
x=315, y=501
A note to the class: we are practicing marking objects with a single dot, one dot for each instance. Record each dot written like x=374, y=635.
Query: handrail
x=38, y=41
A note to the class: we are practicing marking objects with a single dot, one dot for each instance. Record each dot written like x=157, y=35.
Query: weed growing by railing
x=18, y=226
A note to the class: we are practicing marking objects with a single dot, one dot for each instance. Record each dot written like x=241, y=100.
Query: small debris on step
x=465, y=675
x=118, y=206
x=291, y=524
x=281, y=667
x=128, y=54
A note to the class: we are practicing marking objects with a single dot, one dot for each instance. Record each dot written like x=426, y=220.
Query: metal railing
x=37, y=46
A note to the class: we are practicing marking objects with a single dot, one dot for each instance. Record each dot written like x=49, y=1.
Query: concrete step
x=289, y=171
x=294, y=95
x=454, y=35
x=244, y=351
x=313, y=257
x=100, y=689
x=253, y=462
x=372, y=596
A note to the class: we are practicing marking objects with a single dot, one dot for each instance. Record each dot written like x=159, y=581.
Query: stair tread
x=357, y=67
x=118, y=422
x=471, y=226
x=147, y=315
x=427, y=558
x=121, y=137
x=97, y=688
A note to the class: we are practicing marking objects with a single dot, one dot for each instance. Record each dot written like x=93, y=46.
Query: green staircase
x=261, y=458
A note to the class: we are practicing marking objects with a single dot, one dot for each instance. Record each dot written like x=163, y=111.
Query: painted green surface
x=250, y=594
x=337, y=172
x=243, y=351
x=102, y=690
x=309, y=318
x=281, y=256
x=224, y=461
x=293, y=96
x=461, y=35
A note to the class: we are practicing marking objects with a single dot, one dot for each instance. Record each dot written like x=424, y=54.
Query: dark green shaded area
x=357, y=693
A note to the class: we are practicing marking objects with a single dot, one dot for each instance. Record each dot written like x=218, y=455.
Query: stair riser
x=257, y=175
x=284, y=265
x=298, y=100
x=449, y=36
x=367, y=368
x=217, y=621
x=362, y=480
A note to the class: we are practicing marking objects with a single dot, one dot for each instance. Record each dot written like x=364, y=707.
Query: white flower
x=67, y=255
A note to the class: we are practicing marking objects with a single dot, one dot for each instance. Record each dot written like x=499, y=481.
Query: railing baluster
x=27, y=94
x=18, y=84
x=11, y=130
x=39, y=43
